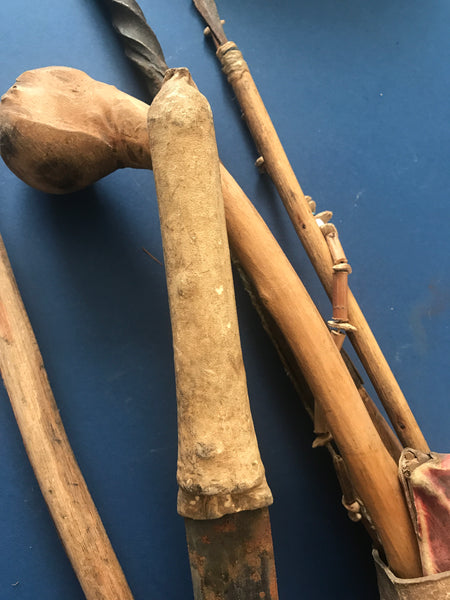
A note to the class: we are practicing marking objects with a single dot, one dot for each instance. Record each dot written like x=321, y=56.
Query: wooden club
x=114, y=135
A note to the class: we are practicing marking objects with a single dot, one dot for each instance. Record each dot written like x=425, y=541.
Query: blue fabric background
x=359, y=93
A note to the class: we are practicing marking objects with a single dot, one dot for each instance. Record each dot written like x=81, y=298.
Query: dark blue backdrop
x=359, y=92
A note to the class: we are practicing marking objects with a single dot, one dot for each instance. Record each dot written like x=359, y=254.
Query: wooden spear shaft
x=372, y=469
x=279, y=169
x=62, y=484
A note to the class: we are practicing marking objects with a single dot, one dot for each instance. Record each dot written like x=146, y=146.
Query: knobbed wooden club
x=372, y=469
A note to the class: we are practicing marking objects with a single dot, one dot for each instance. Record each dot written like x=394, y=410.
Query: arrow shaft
x=279, y=169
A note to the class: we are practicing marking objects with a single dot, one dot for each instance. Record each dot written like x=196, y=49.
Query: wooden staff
x=280, y=171
x=62, y=485
x=373, y=472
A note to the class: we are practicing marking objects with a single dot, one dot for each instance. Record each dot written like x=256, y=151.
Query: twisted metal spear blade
x=208, y=10
x=140, y=43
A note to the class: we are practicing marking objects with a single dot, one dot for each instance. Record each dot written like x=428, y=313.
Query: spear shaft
x=277, y=165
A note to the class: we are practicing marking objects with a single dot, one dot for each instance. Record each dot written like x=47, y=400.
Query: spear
x=312, y=237
x=228, y=534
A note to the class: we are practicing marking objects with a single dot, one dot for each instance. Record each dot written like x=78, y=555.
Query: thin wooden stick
x=279, y=169
x=62, y=485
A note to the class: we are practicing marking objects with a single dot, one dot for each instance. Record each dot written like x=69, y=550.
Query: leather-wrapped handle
x=219, y=466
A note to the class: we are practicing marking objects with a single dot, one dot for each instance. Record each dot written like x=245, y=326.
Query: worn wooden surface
x=60, y=479
x=219, y=466
x=53, y=143
x=357, y=93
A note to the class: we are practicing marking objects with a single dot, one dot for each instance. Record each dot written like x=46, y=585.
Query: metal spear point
x=208, y=10
x=140, y=44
